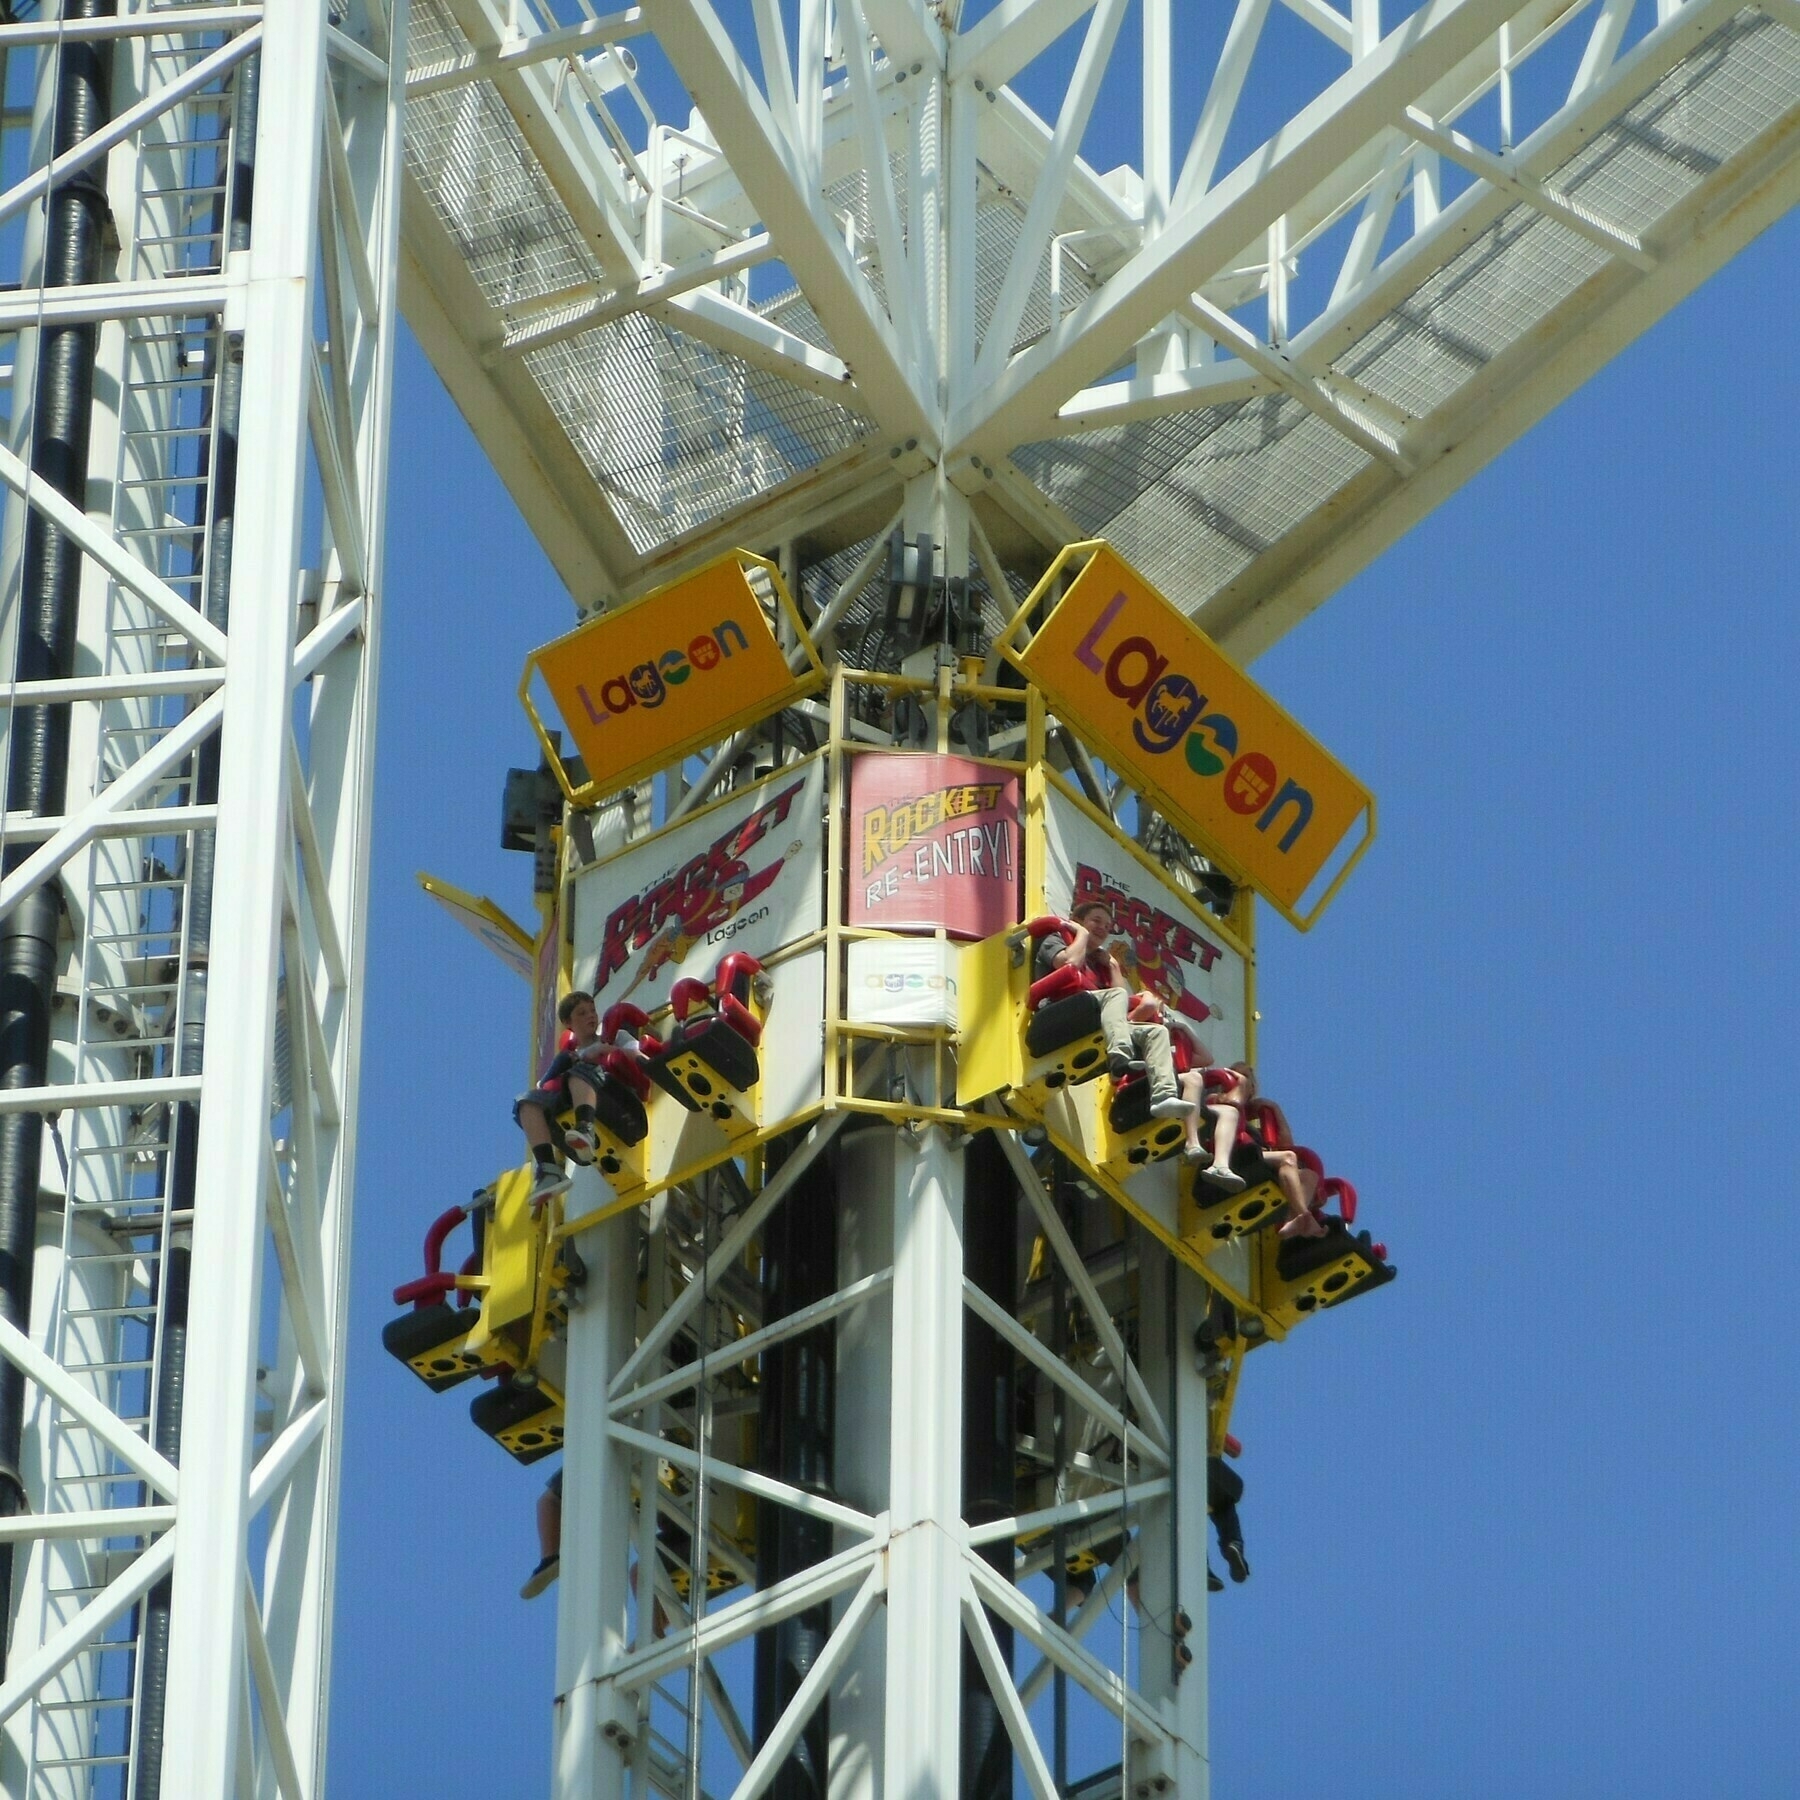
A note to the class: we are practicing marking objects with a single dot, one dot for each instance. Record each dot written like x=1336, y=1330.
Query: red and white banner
x=744, y=875
x=933, y=841
x=1164, y=940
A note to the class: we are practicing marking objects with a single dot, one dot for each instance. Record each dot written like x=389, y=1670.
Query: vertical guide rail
x=205, y=1716
x=594, y=1721
x=323, y=937
x=924, y=1632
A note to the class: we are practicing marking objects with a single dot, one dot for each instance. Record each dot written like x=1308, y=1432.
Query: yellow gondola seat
x=621, y=1084
x=430, y=1338
x=1209, y=1212
x=1134, y=1139
x=1306, y=1275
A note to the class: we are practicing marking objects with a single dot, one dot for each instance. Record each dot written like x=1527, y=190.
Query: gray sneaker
x=1172, y=1107
x=550, y=1182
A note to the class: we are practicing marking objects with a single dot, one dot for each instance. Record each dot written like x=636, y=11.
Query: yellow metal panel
x=1193, y=732
x=512, y=1253
x=990, y=1005
x=684, y=666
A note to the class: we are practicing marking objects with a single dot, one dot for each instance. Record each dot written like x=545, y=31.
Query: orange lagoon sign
x=684, y=666
x=1192, y=732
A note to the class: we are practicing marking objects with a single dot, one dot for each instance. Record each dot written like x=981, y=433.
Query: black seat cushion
x=1060, y=1022
x=415, y=1335
x=620, y=1111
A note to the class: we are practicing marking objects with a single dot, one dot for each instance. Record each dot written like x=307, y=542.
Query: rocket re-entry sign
x=932, y=841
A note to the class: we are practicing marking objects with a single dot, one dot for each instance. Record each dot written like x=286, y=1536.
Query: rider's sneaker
x=550, y=1182
x=541, y=1577
x=581, y=1141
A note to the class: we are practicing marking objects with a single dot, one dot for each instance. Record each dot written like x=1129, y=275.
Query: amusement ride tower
x=820, y=356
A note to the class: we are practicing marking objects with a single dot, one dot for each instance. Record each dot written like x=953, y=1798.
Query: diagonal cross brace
x=791, y=205
x=118, y=562
x=1200, y=239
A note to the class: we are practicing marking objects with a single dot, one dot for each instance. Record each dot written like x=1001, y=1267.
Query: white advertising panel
x=745, y=875
x=1165, y=942
x=901, y=981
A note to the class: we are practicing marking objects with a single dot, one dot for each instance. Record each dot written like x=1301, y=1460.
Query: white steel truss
x=798, y=274
x=793, y=273
x=1249, y=365
x=909, y=1579
x=169, y=1627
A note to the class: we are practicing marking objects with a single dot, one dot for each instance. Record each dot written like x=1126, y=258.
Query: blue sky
x=1521, y=1523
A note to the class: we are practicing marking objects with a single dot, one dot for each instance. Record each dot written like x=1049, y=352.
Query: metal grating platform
x=585, y=253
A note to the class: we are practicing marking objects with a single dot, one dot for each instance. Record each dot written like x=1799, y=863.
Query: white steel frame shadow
x=311, y=306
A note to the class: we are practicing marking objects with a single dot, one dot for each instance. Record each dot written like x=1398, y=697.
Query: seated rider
x=1299, y=1184
x=1125, y=1042
x=1188, y=1054
x=1232, y=1091
x=571, y=1078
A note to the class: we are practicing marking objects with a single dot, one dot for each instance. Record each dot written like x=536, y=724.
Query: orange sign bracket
x=686, y=665
x=1197, y=738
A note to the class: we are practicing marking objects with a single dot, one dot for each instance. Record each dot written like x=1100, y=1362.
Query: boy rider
x=1125, y=1042
x=572, y=1068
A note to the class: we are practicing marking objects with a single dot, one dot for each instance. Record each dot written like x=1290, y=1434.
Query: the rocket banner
x=746, y=874
x=1166, y=943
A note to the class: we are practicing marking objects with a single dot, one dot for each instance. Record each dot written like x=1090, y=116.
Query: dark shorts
x=548, y=1101
x=553, y=1100
x=554, y=1484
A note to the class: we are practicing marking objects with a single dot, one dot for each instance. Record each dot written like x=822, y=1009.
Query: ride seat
x=1137, y=1139
x=1209, y=1213
x=1307, y=1275
x=1062, y=1032
x=710, y=1062
x=525, y=1421
x=429, y=1340
x=432, y=1338
x=621, y=1088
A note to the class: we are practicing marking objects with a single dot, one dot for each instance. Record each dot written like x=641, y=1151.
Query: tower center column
x=924, y=1656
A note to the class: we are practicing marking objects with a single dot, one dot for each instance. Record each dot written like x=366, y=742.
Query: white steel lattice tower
x=792, y=274
x=201, y=214
x=816, y=277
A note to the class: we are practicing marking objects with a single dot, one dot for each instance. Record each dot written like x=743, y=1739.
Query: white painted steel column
x=593, y=1720
x=299, y=1567
x=866, y=1184
x=924, y=1633
x=1174, y=1539
x=206, y=1658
